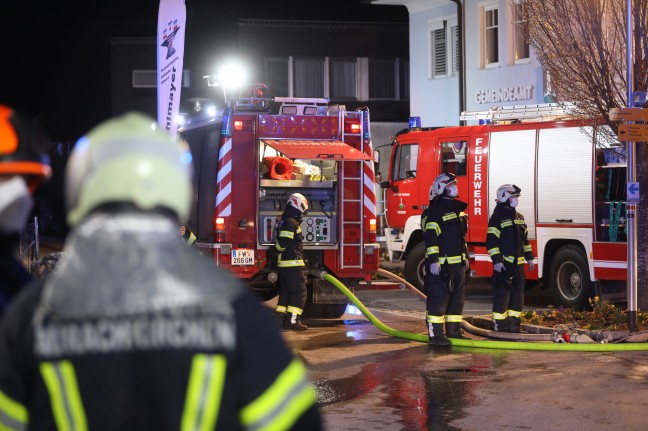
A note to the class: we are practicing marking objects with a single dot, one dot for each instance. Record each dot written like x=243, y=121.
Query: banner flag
x=172, y=16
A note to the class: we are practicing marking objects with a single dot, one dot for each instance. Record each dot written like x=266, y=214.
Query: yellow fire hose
x=485, y=344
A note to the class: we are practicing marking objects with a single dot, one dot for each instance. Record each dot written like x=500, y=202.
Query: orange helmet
x=22, y=148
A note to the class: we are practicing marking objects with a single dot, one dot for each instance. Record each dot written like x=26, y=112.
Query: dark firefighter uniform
x=290, y=262
x=444, y=231
x=507, y=243
x=151, y=346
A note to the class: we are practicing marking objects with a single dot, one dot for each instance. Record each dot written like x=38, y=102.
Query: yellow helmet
x=128, y=159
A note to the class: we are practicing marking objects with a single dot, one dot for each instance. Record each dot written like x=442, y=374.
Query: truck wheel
x=322, y=310
x=569, y=282
x=415, y=267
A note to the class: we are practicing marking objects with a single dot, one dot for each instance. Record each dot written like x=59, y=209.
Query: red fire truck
x=249, y=161
x=573, y=195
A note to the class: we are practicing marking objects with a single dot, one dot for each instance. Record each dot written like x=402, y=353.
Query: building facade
x=497, y=68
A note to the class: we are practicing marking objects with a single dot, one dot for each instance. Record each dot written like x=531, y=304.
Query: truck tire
x=321, y=311
x=569, y=280
x=415, y=267
x=324, y=311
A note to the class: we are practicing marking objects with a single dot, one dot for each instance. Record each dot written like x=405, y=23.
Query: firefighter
x=290, y=263
x=445, y=225
x=187, y=234
x=135, y=331
x=509, y=249
x=24, y=164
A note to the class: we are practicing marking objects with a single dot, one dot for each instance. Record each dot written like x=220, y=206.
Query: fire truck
x=573, y=199
x=250, y=159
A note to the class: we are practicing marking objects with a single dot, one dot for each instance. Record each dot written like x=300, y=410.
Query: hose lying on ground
x=487, y=344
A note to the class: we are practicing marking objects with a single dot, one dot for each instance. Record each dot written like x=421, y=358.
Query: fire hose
x=538, y=343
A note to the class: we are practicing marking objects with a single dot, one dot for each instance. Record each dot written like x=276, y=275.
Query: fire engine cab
x=252, y=158
x=573, y=197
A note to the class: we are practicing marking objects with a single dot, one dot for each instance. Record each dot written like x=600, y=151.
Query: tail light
x=242, y=125
x=372, y=230
x=352, y=126
x=220, y=229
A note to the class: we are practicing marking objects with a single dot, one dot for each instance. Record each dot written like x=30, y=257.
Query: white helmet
x=439, y=185
x=128, y=159
x=506, y=191
x=299, y=201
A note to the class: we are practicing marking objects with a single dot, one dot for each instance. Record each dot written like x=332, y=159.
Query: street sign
x=628, y=114
x=633, y=132
x=633, y=192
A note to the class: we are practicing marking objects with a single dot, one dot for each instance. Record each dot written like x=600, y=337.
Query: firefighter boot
x=293, y=322
x=453, y=330
x=513, y=324
x=437, y=339
x=500, y=325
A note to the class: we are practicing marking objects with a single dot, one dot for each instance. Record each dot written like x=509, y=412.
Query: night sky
x=50, y=49
x=54, y=55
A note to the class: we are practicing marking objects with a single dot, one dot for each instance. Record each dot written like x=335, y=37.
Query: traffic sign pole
x=631, y=221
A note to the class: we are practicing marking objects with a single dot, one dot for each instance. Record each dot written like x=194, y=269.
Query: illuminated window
x=491, y=36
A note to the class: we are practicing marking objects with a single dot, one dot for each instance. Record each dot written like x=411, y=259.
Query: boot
x=293, y=322
x=437, y=339
x=500, y=325
x=453, y=330
x=513, y=324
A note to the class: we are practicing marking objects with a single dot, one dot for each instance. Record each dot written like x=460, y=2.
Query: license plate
x=242, y=256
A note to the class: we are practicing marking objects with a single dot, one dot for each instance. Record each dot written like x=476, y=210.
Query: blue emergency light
x=414, y=122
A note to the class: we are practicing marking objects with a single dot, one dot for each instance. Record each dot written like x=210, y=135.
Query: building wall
x=436, y=101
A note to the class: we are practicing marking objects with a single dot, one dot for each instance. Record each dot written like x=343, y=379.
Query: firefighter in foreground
x=135, y=331
x=445, y=225
x=290, y=263
x=24, y=164
x=509, y=249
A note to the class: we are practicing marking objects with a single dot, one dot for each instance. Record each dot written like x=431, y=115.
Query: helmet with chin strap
x=22, y=148
x=299, y=201
x=128, y=159
x=507, y=191
x=440, y=183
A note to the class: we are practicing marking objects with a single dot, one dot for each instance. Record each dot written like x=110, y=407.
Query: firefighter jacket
x=444, y=226
x=13, y=274
x=506, y=240
x=289, y=244
x=135, y=331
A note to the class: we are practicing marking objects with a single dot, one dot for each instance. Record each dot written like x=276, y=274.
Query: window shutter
x=439, y=52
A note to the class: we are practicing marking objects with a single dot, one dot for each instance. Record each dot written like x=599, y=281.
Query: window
x=342, y=79
x=455, y=48
x=276, y=72
x=439, y=57
x=491, y=36
x=358, y=78
x=382, y=79
x=453, y=157
x=308, y=78
x=520, y=34
x=404, y=166
x=445, y=50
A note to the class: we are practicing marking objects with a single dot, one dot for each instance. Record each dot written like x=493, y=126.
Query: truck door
x=402, y=197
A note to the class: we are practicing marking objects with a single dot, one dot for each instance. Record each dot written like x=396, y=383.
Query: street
x=367, y=380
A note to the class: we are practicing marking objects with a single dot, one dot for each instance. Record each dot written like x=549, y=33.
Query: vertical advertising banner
x=172, y=16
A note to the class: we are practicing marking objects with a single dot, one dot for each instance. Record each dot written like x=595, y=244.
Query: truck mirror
x=378, y=176
x=376, y=156
x=385, y=185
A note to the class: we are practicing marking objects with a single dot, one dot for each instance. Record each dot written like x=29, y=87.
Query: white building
x=499, y=68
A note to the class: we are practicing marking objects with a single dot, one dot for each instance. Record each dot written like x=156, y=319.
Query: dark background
x=55, y=60
x=56, y=55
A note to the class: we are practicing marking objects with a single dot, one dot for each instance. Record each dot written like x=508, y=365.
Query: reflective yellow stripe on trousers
x=65, y=398
x=204, y=393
